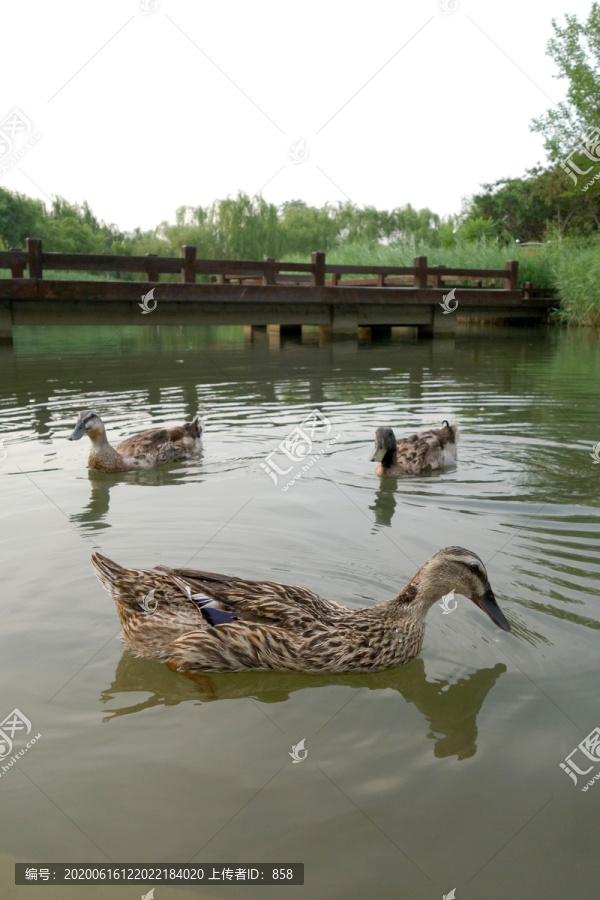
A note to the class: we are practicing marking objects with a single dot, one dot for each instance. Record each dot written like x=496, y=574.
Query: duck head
x=385, y=442
x=90, y=423
x=455, y=568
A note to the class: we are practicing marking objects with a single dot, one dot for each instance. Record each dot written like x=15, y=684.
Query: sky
x=142, y=106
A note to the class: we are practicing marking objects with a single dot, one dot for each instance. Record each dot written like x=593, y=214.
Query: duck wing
x=266, y=602
x=156, y=442
x=427, y=450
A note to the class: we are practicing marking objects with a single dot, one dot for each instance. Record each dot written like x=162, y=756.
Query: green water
x=442, y=774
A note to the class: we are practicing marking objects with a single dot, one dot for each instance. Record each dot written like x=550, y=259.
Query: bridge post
x=317, y=276
x=421, y=272
x=269, y=270
x=188, y=268
x=34, y=257
x=6, y=333
x=16, y=269
x=152, y=268
x=511, y=279
x=436, y=280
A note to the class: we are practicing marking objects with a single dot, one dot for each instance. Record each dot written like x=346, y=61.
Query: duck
x=142, y=451
x=421, y=452
x=195, y=620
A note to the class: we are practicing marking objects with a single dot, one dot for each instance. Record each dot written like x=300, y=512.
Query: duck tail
x=452, y=429
x=127, y=587
x=195, y=427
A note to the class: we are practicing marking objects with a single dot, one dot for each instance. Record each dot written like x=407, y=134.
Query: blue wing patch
x=217, y=616
x=213, y=616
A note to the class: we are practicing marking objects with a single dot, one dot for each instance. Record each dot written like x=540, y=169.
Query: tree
x=20, y=218
x=575, y=48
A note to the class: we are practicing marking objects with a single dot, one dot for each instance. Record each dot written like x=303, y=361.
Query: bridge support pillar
x=441, y=325
x=6, y=330
x=343, y=322
x=285, y=331
x=255, y=332
x=381, y=331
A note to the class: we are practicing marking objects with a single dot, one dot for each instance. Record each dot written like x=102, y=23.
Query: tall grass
x=576, y=271
x=535, y=264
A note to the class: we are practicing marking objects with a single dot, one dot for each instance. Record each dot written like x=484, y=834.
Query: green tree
x=20, y=218
x=575, y=48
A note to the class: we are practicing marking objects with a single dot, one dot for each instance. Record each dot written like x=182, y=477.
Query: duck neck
x=416, y=598
x=102, y=455
x=389, y=458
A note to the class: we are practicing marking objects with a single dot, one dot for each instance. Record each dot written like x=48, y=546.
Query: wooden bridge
x=282, y=296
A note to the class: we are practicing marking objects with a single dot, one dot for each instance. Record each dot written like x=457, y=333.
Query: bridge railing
x=34, y=262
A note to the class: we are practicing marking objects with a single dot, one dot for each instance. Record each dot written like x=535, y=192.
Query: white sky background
x=398, y=102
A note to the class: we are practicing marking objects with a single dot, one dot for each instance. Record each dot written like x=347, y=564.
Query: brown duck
x=217, y=623
x=142, y=451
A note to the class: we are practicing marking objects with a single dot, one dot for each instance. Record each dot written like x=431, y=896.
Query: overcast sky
x=385, y=103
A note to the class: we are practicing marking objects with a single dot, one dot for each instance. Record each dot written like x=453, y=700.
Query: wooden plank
x=93, y=262
x=54, y=292
x=14, y=259
x=470, y=273
x=370, y=270
x=293, y=267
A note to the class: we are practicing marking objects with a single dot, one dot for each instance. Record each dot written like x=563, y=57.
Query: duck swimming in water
x=142, y=451
x=421, y=452
x=218, y=623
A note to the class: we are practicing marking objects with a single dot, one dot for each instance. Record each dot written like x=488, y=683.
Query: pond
x=443, y=774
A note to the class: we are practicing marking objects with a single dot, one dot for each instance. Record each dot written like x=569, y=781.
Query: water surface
x=442, y=774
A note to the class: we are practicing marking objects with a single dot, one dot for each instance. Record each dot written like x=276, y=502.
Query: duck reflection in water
x=101, y=484
x=385, y=504
x=450, y=709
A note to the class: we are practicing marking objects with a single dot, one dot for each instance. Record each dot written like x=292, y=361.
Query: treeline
x=523, y=209
x=239, y=227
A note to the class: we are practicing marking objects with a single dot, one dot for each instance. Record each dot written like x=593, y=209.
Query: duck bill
x=378, y=453
x=78, y=432
x=487, y=602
